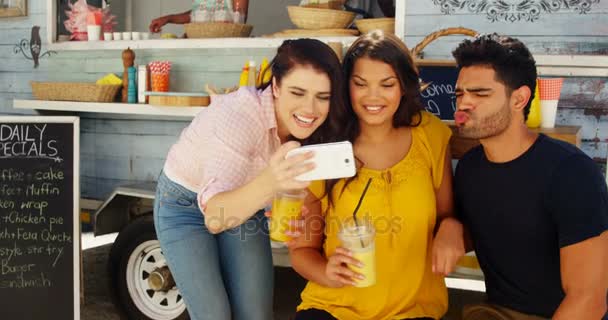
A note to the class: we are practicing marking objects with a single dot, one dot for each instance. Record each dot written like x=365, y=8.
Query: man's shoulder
x=557, y=149
x=553, y=154
x=471, y=157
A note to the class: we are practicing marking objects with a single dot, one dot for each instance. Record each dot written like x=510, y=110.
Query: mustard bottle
x=534, y=116
x=244, y=75
x=265, y=75
x=252, y=78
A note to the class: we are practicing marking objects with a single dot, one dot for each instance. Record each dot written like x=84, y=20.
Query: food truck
x=59, y=59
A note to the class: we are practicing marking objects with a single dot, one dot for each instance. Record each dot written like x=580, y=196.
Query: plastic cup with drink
x=286, y=207
x=358, y=236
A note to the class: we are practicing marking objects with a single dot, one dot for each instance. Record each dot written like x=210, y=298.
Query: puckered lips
x=460, y=118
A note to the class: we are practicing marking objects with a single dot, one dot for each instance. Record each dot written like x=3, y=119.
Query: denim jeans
x=227, y=276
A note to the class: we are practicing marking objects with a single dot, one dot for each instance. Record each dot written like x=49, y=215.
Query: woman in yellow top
x=405, y=151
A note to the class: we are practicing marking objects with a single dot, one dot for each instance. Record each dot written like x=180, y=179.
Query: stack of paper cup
x=94, y=26
x=549, y=89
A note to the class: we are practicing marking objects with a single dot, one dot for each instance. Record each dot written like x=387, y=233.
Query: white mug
x=107, y=36
x=126, y=35
x=136, y=35
x=117, y=35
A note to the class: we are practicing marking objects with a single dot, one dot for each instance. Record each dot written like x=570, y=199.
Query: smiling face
x=375, y=92
x=483, y=103
x=302, y=102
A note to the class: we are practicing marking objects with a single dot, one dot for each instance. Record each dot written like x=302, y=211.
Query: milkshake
x=287, y=206
x=358, y=237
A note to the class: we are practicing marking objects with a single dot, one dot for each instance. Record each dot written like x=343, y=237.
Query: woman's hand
x=281, y=172
x=296, y=226
x=157, y=24
x=448, y=246
x=337, y=271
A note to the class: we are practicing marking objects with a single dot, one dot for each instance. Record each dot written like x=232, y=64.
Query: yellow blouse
x=401, y=203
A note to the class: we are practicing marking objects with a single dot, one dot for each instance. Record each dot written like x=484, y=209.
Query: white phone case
x=332, y=161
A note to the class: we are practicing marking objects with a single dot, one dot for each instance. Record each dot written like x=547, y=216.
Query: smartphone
x=332, y=161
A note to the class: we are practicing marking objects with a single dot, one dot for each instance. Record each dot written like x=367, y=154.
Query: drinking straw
x=369, y=181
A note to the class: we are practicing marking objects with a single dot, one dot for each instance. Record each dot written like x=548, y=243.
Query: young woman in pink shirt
x=226, y=167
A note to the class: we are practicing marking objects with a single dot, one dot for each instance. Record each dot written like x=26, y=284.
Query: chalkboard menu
x=439, y=97
x=39, y=229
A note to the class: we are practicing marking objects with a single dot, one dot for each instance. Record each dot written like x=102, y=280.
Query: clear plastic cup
x=358, y=236
x=287, y=206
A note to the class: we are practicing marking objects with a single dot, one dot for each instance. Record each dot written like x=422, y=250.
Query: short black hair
x=510, y=58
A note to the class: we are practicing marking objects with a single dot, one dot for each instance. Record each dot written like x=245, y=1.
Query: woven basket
x=437, y=34
x=387, y=25
x=316, y=18
x=294, y=33
x=217, y=30
x=74, y=91
x=336, y=5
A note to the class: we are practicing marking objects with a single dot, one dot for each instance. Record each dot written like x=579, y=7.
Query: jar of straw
x=159, y=75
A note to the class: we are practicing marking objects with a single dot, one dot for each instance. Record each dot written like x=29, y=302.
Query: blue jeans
x=227, y=276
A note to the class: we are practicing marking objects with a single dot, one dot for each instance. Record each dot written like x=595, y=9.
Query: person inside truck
x=403, y=150
x=227, y=165
x=536, y=208
x=203, y=9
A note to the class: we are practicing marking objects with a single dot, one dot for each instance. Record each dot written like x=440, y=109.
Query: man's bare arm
x=584, y=279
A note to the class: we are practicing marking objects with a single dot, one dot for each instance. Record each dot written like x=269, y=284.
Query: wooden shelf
x=115, y=108
x=215, y=43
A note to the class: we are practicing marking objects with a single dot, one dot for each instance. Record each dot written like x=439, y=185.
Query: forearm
x=310, y=264
x=230, y=209
x=583, y=306
x=180, y=18
x=459, y=229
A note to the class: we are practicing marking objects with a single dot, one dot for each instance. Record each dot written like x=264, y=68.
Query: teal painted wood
x=427, y=7
x=558, y=25
x=443, y=46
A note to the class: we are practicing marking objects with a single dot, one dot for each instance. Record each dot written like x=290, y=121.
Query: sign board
x=39, y=214
x=439, y=97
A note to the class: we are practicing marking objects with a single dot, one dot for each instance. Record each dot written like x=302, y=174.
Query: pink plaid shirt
x=226, y=145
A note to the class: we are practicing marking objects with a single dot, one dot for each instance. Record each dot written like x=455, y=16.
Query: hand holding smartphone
x=332, y=161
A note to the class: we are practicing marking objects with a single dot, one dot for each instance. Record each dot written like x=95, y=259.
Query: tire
x=135, y=253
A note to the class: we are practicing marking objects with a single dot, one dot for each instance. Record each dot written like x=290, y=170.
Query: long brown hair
x=387, y=48
x=318, y=55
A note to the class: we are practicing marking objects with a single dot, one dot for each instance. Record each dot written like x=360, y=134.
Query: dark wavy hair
x=512, y=62
x=318, y=55
x=387, y=48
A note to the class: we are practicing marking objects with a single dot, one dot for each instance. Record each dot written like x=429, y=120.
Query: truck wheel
x=135, y=259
